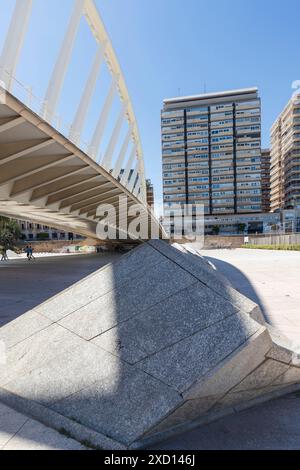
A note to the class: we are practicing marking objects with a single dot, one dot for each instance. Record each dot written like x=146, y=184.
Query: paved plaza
x=274, y=425
x=268, y=278
x=271, y=279
x=24, y=285
x=18, y=432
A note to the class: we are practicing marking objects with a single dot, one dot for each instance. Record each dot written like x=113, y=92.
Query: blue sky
x=172, y=47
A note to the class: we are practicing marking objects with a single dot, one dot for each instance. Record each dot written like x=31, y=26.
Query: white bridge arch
x=47, y=173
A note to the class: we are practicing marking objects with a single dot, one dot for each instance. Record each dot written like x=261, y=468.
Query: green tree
x=10, y=233
x=216, y=230
x=43, y=236
x=241, y=228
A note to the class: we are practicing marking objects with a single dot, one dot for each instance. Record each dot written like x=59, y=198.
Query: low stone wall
x=49, y=246
x=293, y=239
x=219, y=241
x=56, y=246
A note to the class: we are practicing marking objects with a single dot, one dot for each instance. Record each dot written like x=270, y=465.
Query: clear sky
x=168, y=48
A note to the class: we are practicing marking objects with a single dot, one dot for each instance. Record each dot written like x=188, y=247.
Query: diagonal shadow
x=239, y=281
x=124, y=344
x=25, y=285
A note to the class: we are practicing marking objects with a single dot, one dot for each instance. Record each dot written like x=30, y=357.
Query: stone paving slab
x=274, y=425
x=10, y=423
x=188, y=360
x=24, y=285
x=186, y=312
x=37, y=350
x=18, y=432
x=191, y=260
x=269, y=278
x=149, y=287
x=19, y=330
x=100, y=283
x=144, y=345
x=123, y=407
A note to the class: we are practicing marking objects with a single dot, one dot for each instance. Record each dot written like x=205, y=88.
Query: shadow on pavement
x=25, y=285
x=239, y=281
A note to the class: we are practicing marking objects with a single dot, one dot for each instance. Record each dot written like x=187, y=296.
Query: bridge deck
x=45, y=178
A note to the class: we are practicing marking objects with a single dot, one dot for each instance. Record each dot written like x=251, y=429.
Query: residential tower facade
x=285, y=158
x=211, y=149
x=150, y=193
x=265, y=179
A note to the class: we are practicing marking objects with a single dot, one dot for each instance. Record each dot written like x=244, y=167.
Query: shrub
x=273, y=247
x=42, y=236
x=216, y=230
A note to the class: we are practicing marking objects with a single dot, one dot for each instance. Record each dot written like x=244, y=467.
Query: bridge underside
x=44, y=178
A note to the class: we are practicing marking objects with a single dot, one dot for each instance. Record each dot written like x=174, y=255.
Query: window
x=222, y=139
x=197, y=108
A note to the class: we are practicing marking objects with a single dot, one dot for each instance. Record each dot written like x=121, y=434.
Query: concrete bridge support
x=151, y=345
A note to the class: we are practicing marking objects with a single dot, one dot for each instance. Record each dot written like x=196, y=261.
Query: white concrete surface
x=272, y=279
x=18, y=432
x=12, y=256
x=269, y=278
x=270, y=426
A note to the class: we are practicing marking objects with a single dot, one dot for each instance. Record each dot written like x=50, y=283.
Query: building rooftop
x=218, y=94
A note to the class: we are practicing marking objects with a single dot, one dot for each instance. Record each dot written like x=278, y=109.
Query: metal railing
x=25, y=94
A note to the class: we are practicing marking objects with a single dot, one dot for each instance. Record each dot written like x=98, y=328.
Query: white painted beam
x=11, y=124
x=101, y=124
x=51, y=180
x=125, y=176
x=120, y=161
x=59, y=73
x=107, y=160
x=46, y=166
x=137, y=188
x=113, y=200
x=85, y=102
x=70, y=186
x=98, y=29
x=14, y=41
x=27, y=151
x=66, y=199
x=94, y=199
x=132, y=180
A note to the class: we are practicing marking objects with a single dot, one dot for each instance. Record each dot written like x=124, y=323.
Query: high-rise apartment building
x=211, y=146
x=150, y=193
x=285, y=157
x=265, y=179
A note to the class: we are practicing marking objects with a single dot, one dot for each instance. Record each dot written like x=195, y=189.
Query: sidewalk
x=270, y=279
x=18, y=432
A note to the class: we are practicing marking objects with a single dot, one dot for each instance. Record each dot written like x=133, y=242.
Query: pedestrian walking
x=31, y=257
x=4, y=254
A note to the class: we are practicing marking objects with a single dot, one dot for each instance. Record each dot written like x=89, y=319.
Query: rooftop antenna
x=179, y=91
